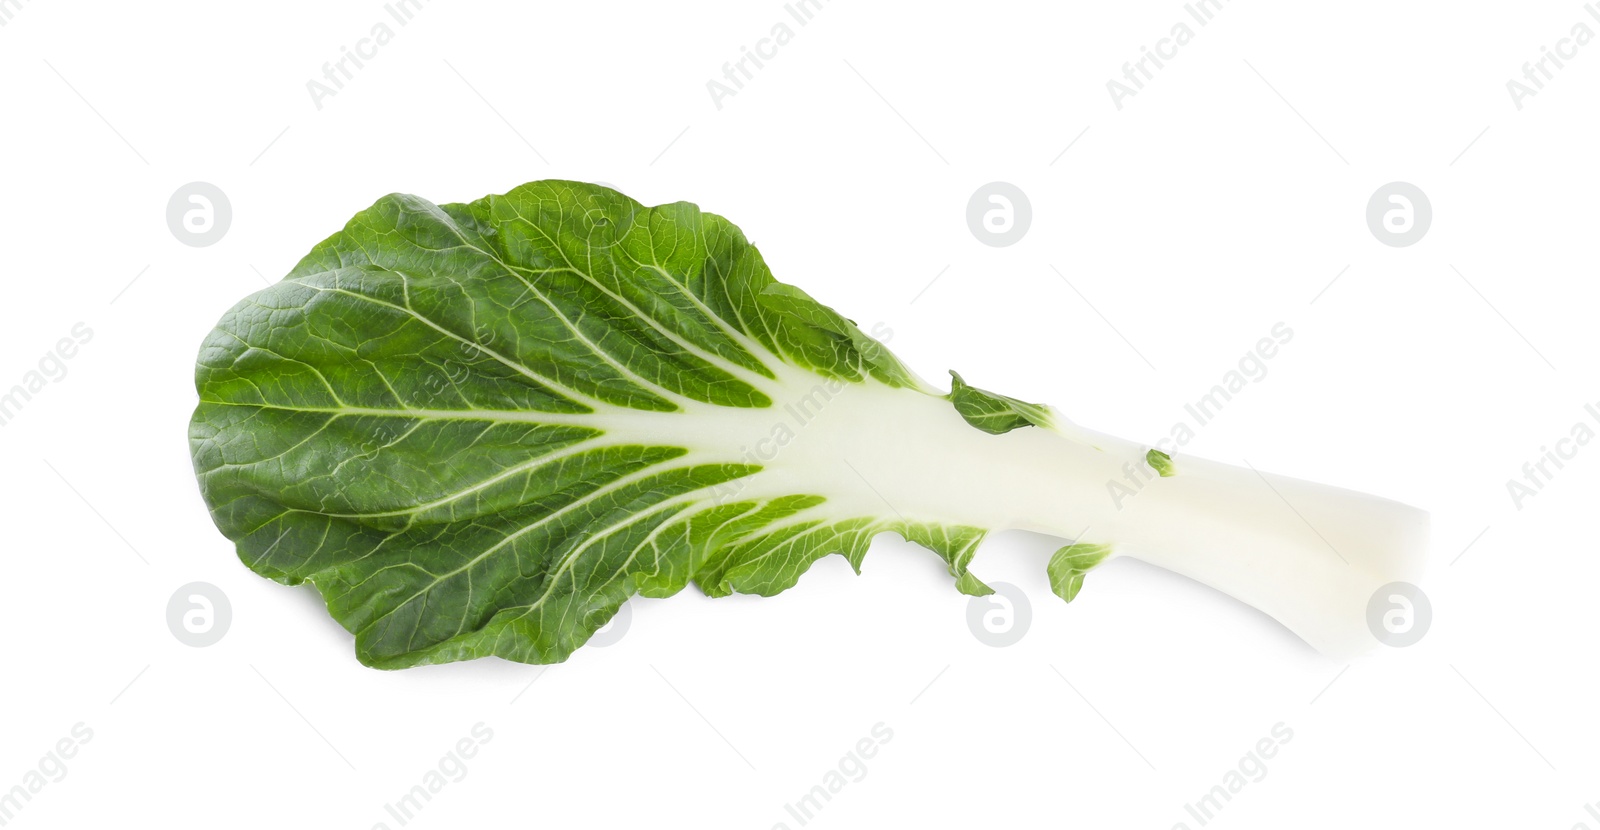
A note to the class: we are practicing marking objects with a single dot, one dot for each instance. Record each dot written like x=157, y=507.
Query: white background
x=1189, y=222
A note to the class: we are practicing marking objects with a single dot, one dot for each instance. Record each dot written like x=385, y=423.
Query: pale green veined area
x=480, y=428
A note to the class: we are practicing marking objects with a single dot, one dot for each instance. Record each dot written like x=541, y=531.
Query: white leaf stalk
x=1310, y=555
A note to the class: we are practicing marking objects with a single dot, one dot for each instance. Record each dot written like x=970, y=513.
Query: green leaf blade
x=479, y=428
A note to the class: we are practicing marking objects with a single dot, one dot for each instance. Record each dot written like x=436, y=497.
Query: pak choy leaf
x=479, y=428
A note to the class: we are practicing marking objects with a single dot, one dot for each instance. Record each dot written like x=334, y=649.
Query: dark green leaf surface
x=449, y=419
x=993, y=413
